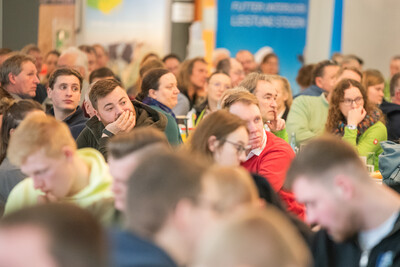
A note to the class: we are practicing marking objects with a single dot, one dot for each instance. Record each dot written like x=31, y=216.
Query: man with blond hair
x=44, y=150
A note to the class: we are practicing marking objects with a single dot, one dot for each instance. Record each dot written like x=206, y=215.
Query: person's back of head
x=101, y=73
x=254, y=238
x=139, y=138
x=304, y=76
x=349, y=73
x=38, y=132
x=224, y=65
x=62, y=234
x=395, y=85
x=319, y=69
x=73, y=57
x=235, y=186
x=329, y=156
x=12, y=117
x=125, y=152
x=157, y=186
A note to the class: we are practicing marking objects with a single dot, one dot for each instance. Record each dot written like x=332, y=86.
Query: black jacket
x=392, y=112
x=91, y=134
x=327, y=253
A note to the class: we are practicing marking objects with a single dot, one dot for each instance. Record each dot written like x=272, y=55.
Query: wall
x=371, y=30
x=19, y=23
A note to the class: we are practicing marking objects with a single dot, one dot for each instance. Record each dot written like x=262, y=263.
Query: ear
x=344, y=186
x=318, y=82
x=68, y=153
x=212, y=143
x=153, y=93
x=11, y=78
x=97, y=114
x=12, y=130
x=182, y=214
x=49, y=92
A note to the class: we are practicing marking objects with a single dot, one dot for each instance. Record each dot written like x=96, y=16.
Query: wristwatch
x=351, y=127
x=108, y=133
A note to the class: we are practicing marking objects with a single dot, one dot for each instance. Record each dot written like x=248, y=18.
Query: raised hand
x=276, y=124
x=125, y=122
x=356, y=115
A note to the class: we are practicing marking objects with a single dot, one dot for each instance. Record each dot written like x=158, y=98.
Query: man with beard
x=115, y=113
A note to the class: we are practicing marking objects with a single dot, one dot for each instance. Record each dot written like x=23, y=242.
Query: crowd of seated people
x=99, y=168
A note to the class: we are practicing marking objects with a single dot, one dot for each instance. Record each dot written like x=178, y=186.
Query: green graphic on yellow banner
x=104, y=6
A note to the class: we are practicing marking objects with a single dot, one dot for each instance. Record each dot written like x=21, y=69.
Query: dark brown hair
x=12, y=117
x=219, y=124
x=151, y=80
x=101, y=89
x=64, y=72
x=335, y=115
x=319, y=69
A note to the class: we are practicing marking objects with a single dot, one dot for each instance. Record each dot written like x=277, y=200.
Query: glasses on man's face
x=239, y=147
x=349, y=102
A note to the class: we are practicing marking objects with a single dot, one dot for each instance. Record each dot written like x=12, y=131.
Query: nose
x=36, y=80
x=176, y=90
x=37, y=183
x=119, y=110
x=252, y=128
x=354, y=104
x=242, y=156
x=274, y=104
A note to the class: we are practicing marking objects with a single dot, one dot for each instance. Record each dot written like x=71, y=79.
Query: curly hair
x=335, y=115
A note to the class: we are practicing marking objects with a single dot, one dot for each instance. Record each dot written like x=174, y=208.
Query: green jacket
x=171, y=130
x=307, y=117
x=98, y=190
x=369, y=141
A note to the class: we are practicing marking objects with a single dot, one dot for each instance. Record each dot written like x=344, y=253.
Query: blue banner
x=252, y=25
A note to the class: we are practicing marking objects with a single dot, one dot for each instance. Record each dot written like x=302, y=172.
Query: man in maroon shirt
x=269, y=156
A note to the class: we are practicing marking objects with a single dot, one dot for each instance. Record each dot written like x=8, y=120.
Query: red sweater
x=273, y=163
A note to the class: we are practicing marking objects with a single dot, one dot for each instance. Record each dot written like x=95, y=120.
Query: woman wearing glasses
x=222, y=137
x=353, y=117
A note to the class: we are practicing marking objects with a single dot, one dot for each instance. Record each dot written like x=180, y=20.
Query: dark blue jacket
x=76, y=121
x=313, y=90
x=130, y=250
